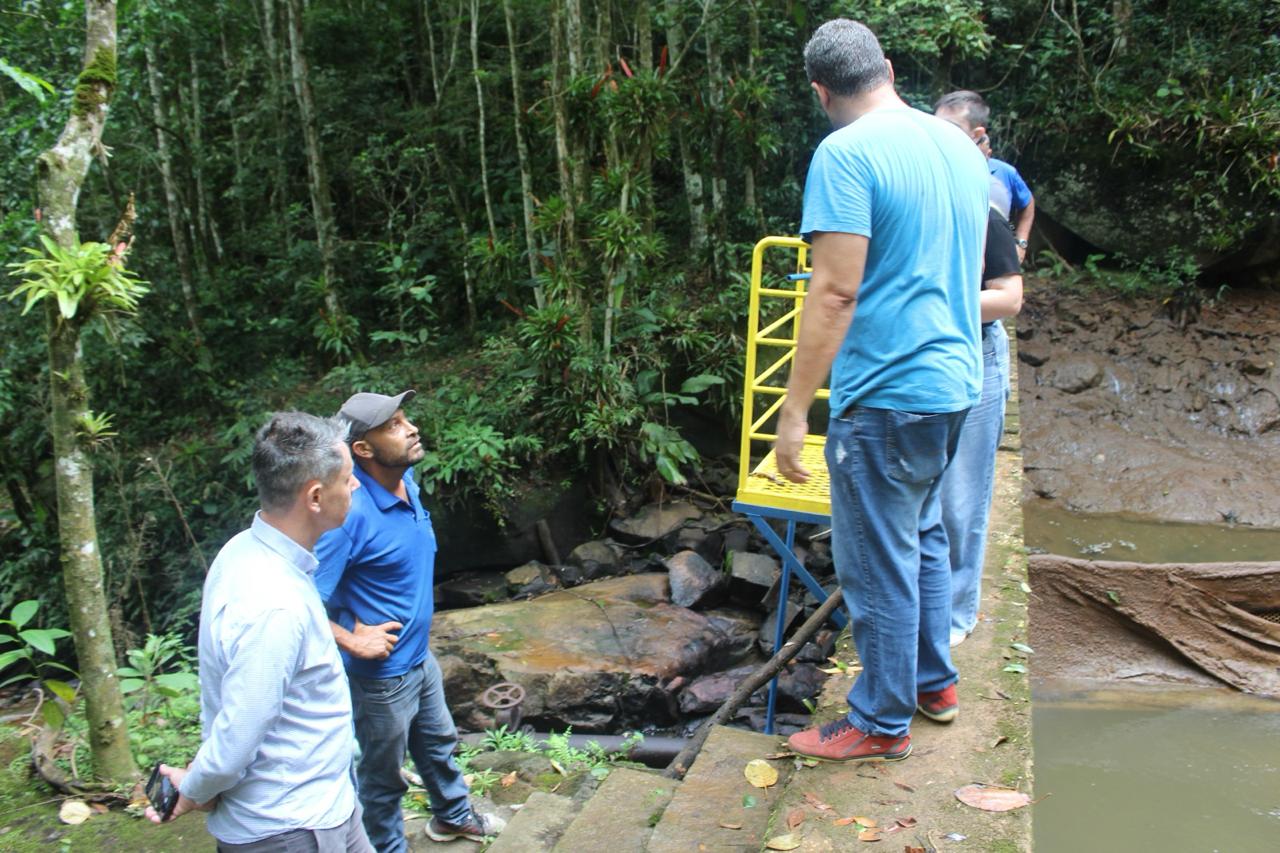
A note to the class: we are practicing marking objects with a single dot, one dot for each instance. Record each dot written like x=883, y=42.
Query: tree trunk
x=565, y=166
x=208, y=224
x=275, y=61
x=522, y=154
x=177, y=228
x=693, y=189
x=60, y=174
x=233, y=119
x=317, y=179
x=480, y=142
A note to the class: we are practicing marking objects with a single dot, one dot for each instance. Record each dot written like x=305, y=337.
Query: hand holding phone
x=162, y=793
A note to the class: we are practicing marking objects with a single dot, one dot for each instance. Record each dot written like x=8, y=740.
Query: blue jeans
x=968, y=482
x=392, y=715
x=891, y=556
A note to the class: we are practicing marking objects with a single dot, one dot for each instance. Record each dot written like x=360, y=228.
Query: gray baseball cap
x=366, y=411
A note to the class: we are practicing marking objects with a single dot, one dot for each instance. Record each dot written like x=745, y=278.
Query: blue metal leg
x=781, y=624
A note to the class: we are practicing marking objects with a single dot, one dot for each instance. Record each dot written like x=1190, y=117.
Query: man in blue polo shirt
x=895, y=207
x=375, y=576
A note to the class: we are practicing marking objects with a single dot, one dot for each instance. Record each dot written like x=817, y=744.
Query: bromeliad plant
x=84, y=279
x=26, y=642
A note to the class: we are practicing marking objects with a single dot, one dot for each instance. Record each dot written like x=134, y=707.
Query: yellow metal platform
x=765, y=487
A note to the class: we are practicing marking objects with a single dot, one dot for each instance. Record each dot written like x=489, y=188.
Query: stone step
x=620, y=816
x=716, y=795
x=537, y=826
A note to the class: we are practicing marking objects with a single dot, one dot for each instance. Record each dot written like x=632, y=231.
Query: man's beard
x=403, y=459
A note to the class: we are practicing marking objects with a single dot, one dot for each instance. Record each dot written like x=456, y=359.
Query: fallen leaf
x=1022, y=647
x=760, y=773
x=724, y=824
x=774, y=756
x=904, y=786
x=812, y=799
x=906, y=822
x=783, y=842
x=1025, y=587
x=998, y=741
x=845, y=821
x=1015, y=667
x=810, y=762
x=913, y=850
x=868, y=822
x=508, y=780
x=100, y=808
x=888, y=802
x=556, y=765
x=869, y=835
x=795, y=817
x=748, y=801
x=835, y=670
x=955, y=836
x=74, y=812
x=991, y=798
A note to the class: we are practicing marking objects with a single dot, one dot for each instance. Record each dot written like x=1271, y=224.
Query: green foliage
x=26, y=643
x=29, y=83
x=158, y=673
x=84, y=279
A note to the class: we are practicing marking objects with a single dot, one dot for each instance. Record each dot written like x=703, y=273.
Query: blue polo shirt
x=1009, y=192
x=379, y=567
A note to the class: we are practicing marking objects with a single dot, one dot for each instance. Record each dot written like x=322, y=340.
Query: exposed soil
x=1124, y=411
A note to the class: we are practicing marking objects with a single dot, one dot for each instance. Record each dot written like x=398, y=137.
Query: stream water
x=1152, y=768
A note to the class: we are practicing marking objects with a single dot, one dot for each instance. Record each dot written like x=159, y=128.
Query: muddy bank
x=1123, y=411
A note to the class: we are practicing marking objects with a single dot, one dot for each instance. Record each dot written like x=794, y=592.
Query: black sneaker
x=476, y=827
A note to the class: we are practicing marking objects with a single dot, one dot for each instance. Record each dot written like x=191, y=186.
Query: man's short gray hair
x=845, y=57
x=292, y=449
x=965, y=105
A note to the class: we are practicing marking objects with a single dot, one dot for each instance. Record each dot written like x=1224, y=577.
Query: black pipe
x=654, y=751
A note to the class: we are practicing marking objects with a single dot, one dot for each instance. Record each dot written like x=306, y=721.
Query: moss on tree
x=96, y=83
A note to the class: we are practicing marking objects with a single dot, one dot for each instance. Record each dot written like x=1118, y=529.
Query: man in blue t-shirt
x=1009, y=192
x=375, y=577
x=895, y=207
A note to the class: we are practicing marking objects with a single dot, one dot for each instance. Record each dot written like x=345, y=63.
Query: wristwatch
x=1022, y=244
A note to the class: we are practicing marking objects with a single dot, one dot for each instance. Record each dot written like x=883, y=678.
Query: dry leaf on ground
x=904, y=786
x=783, y=842
x=508, y=780
x=760, y=773
x=725, y=824
x=74, y=812
x=907, y=822
x=868, y=822
x=812, y=799
x=845, y=821
x=869, y=835
x=795, y=817
x=991, y=798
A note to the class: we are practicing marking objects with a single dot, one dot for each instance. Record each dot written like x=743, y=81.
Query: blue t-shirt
x=916, y=187
x=1016, y=194
x=379, y=567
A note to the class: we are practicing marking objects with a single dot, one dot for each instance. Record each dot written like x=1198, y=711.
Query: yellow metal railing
x=771, y=347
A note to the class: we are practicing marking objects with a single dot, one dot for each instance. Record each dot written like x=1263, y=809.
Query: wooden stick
x=681, y=763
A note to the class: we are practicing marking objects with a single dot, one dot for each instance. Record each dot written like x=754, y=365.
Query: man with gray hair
x=895, y=207
x=275, y=768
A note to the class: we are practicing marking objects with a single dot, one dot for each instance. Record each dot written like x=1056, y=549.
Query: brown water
x=1150, y=768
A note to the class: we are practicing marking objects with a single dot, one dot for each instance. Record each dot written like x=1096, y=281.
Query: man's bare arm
x=370, y=642
x=1022, y=230
x=839, y=261
x=1002, y=297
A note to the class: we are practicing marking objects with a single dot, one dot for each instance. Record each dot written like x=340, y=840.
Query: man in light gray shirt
x=275, y=768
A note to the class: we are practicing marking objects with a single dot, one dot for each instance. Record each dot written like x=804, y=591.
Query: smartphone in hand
x=162, y=794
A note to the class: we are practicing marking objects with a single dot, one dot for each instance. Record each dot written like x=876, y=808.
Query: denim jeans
x=392, y=715
x=968, y=482
x=891, y=556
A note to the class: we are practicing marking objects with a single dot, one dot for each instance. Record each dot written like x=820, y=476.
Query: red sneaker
x=841, y=741
x=941, y=706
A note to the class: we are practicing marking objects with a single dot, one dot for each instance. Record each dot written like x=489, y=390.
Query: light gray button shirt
x=274, y=703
